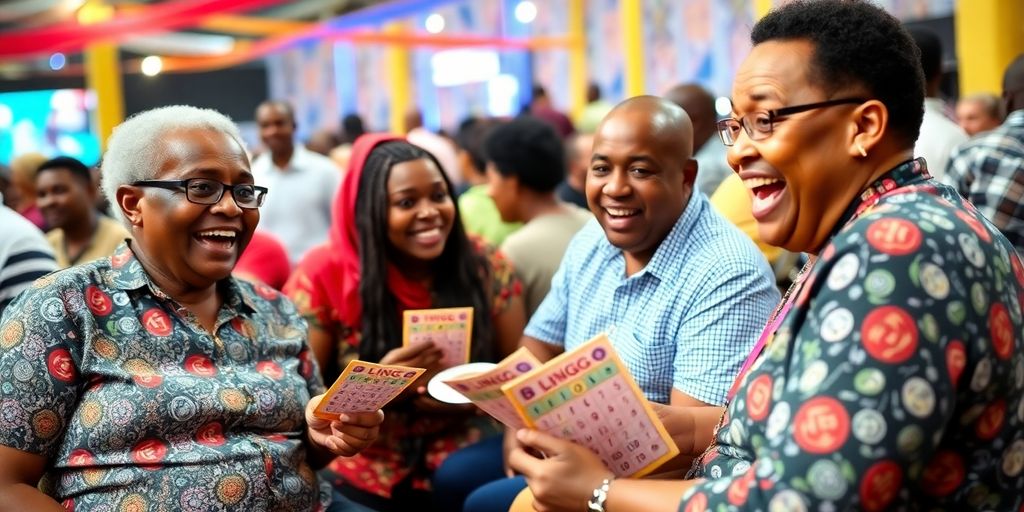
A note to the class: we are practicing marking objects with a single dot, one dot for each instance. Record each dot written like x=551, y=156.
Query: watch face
x=596, y=504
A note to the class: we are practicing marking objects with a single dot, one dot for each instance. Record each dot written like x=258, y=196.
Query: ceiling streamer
x=71, y=36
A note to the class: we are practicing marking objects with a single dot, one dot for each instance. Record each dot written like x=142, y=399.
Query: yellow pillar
x=631, y=13
x=761, y=7
x=103, y=73
x=577, y=57
x=989, y=34
x=399, y=79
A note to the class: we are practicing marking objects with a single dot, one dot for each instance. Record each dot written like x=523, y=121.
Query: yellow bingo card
x=588, y=396
x=450, y=329
x=365, y=387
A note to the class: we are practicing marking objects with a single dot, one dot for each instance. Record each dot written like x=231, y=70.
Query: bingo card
x=365, y=387
x=450, y=329
x=588, y=396
x=484, y=389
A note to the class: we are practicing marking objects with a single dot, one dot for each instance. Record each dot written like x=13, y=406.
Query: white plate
x=445, y=393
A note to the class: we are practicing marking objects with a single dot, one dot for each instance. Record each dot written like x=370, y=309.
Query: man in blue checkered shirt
x=682, y=293
x=989, y=169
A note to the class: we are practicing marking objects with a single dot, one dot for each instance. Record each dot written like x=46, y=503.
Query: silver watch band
x=596, y=503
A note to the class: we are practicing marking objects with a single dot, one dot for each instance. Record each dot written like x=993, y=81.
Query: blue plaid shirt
x=687, y=320
x=988, y=170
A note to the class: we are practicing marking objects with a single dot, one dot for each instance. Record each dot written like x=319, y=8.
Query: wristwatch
x=596, y=503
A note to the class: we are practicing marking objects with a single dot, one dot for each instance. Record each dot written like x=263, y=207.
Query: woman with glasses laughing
x=891, y=376
x=152, y=379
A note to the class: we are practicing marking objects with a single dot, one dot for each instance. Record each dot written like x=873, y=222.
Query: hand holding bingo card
x=450, y=329
x=484, y=389
x=365, y=387
x=588, y=396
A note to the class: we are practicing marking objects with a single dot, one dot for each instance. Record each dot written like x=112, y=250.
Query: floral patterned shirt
x=136, y=407
x=895, y=380
x=412, y=443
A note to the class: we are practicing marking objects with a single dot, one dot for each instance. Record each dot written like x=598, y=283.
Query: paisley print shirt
x=896, y=379
x=136, y=407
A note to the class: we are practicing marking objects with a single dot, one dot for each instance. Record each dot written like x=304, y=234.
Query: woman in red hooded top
x=397, y=243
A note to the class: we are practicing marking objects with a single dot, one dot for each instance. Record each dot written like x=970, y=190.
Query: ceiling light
x=152, y=65
x=434, y=23
x=57, y=61
x=526, y=11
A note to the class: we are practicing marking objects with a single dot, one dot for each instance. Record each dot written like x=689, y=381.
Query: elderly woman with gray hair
x=152, y=379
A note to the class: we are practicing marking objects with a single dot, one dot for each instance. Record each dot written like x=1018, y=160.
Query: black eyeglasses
x=207, y=191
x=760, y=125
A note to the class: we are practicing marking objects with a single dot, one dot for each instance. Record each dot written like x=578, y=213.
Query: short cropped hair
x=136, y=150
x=281, y=105
x=470, y=137
x=931, y=51
x=529, y=149
x=989, y=103
x=72, y=165
x=857, y=43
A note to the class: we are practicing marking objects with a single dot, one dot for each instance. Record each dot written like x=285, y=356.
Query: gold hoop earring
x=861, y=149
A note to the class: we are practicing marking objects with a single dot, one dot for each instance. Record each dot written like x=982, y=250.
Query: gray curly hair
x=135, y=151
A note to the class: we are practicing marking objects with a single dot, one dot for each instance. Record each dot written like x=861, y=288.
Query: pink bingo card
x=450, y=329
x=588, y=396
x=365, y=387
x=484, y=389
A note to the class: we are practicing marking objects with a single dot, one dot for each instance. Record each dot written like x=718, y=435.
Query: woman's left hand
x=346, y=436
x=565, y=478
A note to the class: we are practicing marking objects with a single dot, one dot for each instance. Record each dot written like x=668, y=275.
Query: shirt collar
x=910, y=172
x=294, y=163
x=128, y=274
x=670, y=249
x=667, y=254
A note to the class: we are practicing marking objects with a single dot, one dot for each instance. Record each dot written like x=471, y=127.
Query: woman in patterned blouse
x=893, y=375
x=152, y=379
x=397, y=243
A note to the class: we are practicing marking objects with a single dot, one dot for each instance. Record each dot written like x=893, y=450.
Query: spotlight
x=152, y=65
x=57, y=61
x=434, y=23
x=526, y=11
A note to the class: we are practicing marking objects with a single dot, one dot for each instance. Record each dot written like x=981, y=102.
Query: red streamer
x=72, y=36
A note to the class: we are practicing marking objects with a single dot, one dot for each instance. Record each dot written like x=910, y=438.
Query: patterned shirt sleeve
x=870, y=380
x=39, y=362
x=288, y=314
x=721, y=328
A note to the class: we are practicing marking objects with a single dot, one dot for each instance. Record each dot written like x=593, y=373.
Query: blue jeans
x=459, y=482
x=496, y=496
x=340, y=503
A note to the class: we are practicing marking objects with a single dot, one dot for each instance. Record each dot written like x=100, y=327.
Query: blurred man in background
x=66, y=194
x=298, y=211
x=979, y=113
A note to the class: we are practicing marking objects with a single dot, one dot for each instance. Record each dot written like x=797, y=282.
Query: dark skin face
x=277, y=129
x=641, y=176
x=974, y=118
x=186, y=246
x=420, y=213
x=65, y=199
x=503, y=190
x=806, y=173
